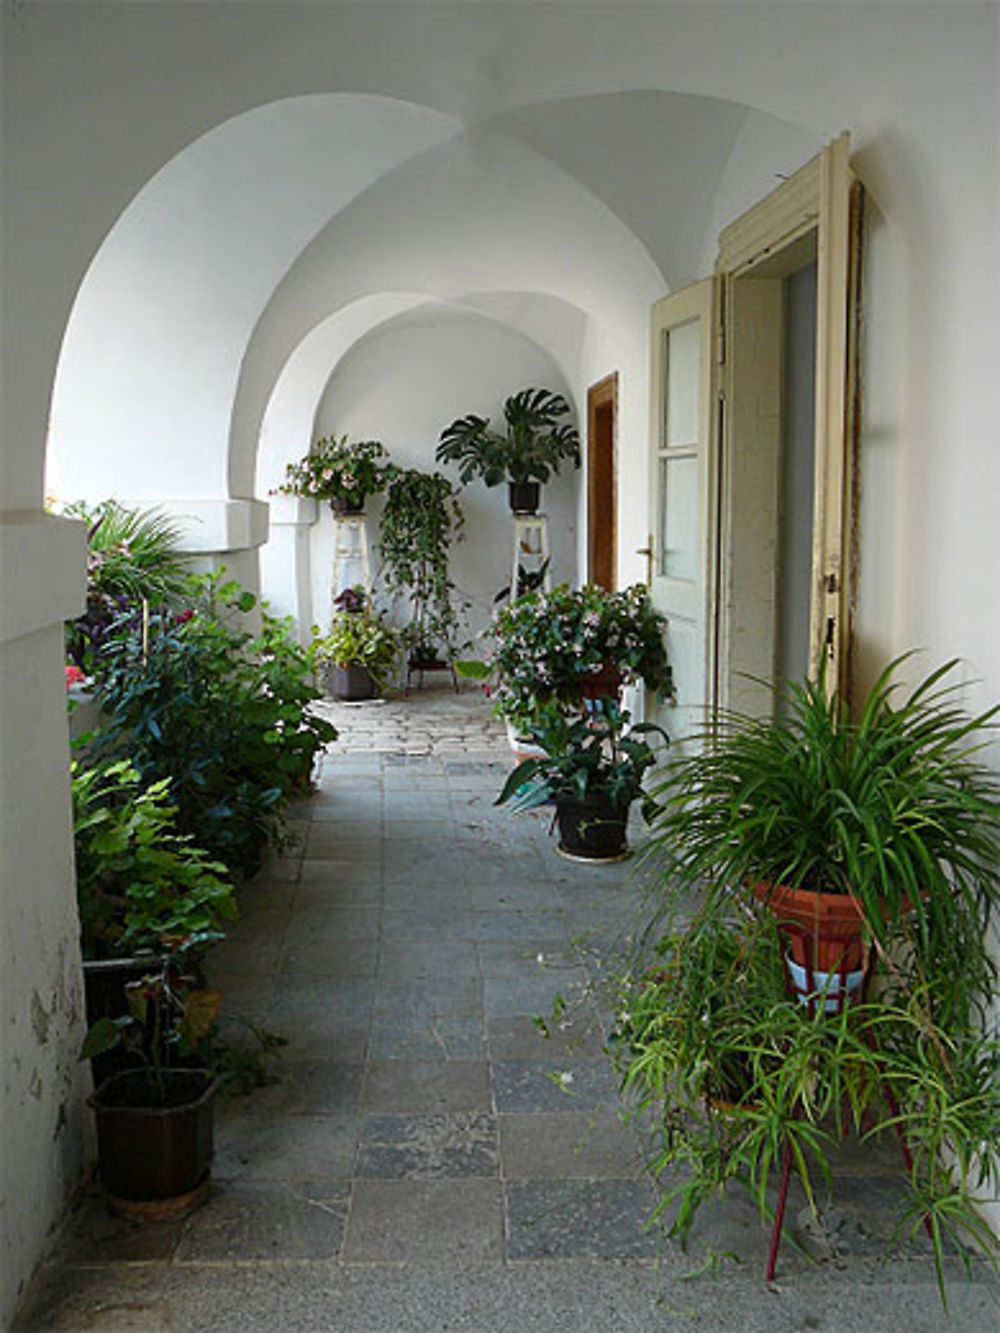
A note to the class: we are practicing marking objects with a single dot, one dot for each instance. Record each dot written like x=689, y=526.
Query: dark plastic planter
x=344, y=509
x=592, y=829
x=524, y=496
x=154, y=1152
x=351, y=683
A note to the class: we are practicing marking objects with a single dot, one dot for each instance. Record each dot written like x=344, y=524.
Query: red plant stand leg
x=779, y=1212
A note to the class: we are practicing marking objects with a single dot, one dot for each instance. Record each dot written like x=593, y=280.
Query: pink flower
x=182, y=617
x=74, y=676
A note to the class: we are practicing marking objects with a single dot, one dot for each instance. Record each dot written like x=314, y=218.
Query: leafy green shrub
x=141, y=885
x=359, y=638
x=220, y=712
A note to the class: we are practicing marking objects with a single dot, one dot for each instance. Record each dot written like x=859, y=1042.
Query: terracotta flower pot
x=601, y=684
x=825, y=931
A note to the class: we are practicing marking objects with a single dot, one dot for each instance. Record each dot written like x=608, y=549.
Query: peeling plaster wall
x=42, y=1112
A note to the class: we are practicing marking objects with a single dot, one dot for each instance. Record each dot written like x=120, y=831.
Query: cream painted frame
x=820, y=204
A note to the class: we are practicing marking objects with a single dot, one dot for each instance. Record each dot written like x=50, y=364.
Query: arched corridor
x=228, y=227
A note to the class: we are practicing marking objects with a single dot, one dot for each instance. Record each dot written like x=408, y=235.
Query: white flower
x=566, y=1078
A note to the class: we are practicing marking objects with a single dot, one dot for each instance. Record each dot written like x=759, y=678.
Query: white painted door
x=682, y=487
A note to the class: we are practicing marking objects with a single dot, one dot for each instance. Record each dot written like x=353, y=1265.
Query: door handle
x=647, y=551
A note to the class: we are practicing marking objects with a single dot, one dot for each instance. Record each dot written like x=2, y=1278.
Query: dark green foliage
x=221, y=712
x=535, y=444
x=141, y=886
x=132, y=555
x=595, y=754
x=548, y=645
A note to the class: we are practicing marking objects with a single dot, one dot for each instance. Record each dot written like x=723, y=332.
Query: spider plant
x=726, y=1072
x=895, y=808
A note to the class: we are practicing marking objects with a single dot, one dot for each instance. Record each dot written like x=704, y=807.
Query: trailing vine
x=420, y=521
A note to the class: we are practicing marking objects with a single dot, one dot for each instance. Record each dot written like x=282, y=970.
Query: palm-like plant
x=895, y=810
x=535, y=444
x=133, y=556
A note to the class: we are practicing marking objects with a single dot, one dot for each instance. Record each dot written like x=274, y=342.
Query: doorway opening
x=602, y=483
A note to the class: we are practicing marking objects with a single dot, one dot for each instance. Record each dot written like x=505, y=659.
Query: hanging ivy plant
x=420, y=521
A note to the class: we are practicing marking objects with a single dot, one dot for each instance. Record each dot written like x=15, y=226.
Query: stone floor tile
x=507, y=997
x=424, y=1221
x=439, y=1038
x=576, y=1219
x=427, y=997
x=518, y=925
x=570, y=1085
x=401, y=959
x=249, y=1220
x=513, y=895
x=523, y=958
x=359, y=841
x=338, y=958
x=580, y=1036
x=280, y=1147
x=427, y=1085
x=93, y=1234
x=318, y=1087
x=408, y=1146
x=427, y=922
x=551, y=1145
x=335, y=922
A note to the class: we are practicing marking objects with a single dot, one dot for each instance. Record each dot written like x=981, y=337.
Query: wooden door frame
x=823, y=201
x=602, y=504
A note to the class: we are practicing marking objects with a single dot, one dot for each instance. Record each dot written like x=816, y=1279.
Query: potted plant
x=532, y=449
x=568, y=645
x=852, y=829
x=359, y=653
x=225, y=713
x=143, y=889
x=420, y=521
x=737, y=1082
x=591, y=768
x=342, y=471
x=155, y=1121
x=134, y=556
x=892, y=813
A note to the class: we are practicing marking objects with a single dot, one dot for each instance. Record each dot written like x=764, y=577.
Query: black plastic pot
x=524, y=496
x=148, y=1151
x=350, y=683
x=344, y=508
x=592, y=829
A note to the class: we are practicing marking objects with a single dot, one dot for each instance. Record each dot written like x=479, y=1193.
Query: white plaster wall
x=402, y=385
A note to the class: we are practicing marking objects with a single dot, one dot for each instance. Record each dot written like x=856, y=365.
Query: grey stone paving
x=428, y=1160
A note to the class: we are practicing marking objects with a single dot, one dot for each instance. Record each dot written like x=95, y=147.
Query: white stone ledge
x=43, y=578
x=210, y=526
x=293, y=511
